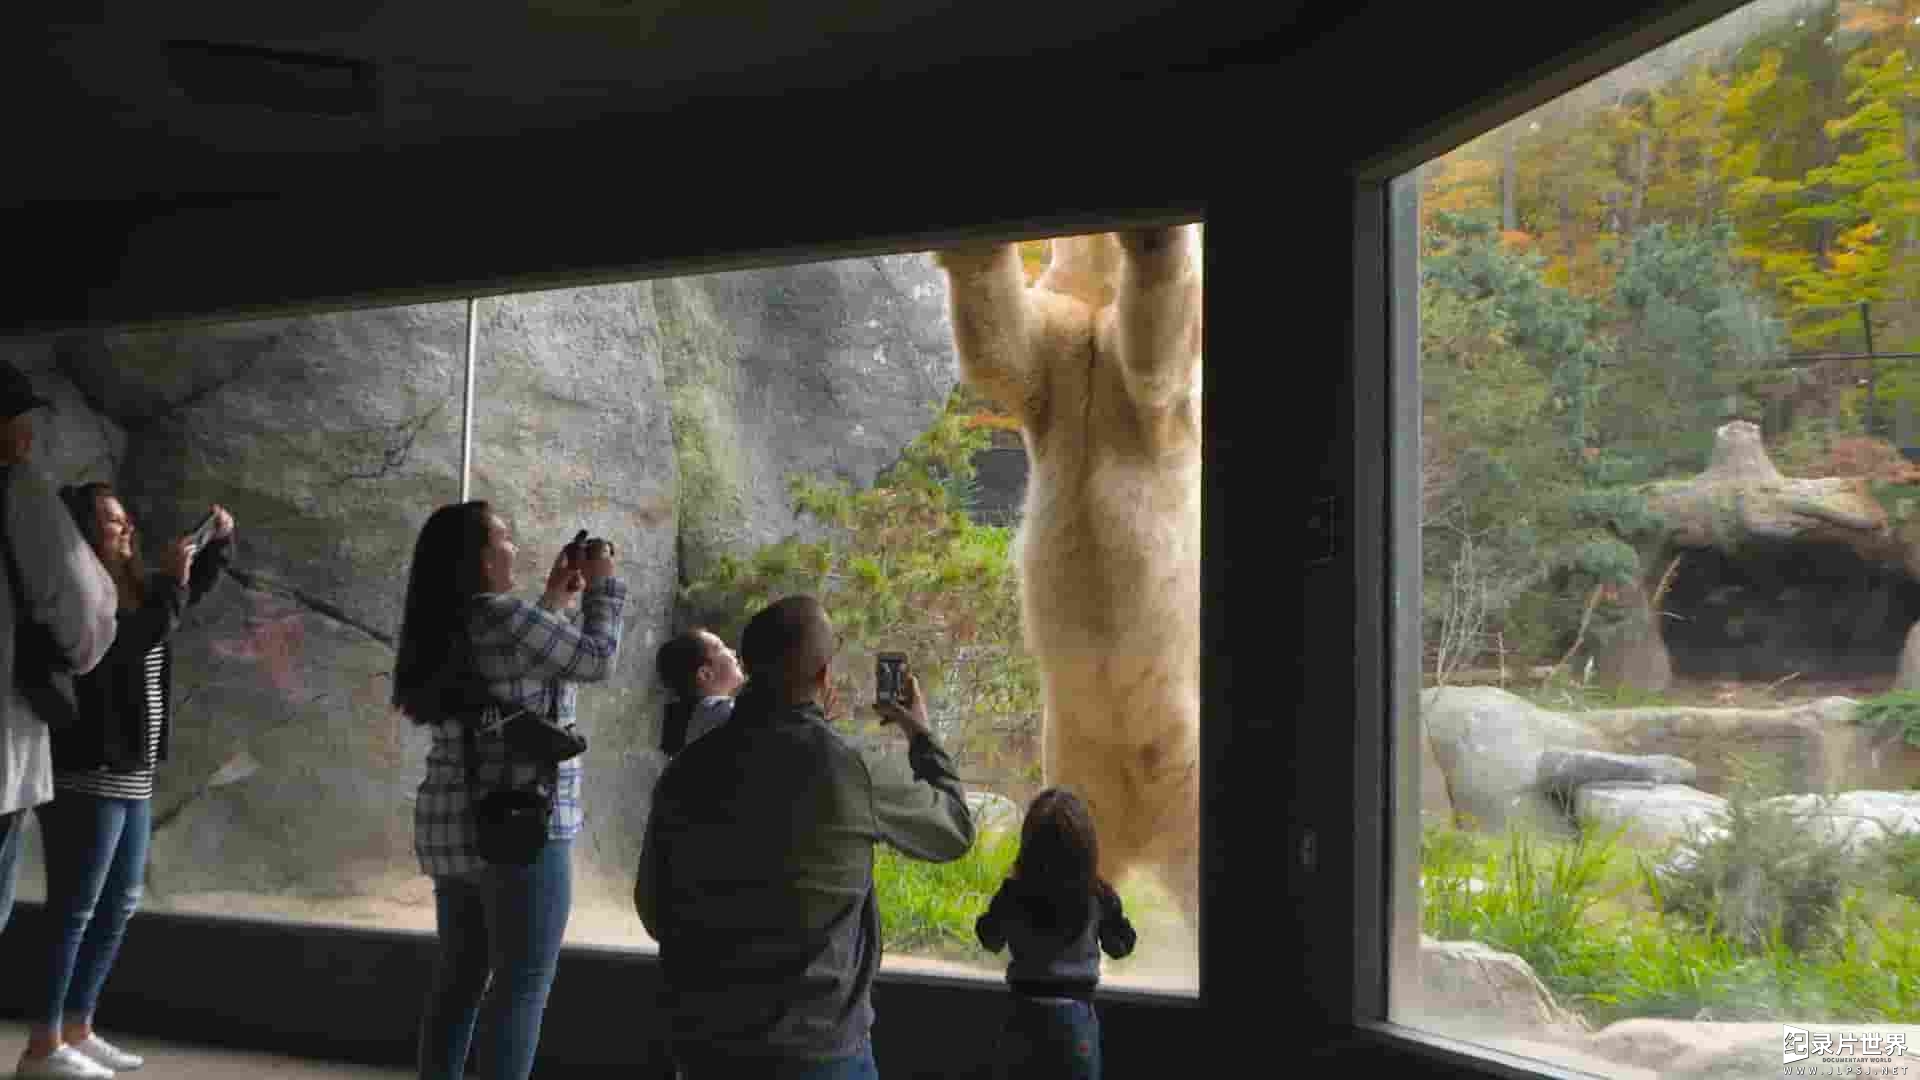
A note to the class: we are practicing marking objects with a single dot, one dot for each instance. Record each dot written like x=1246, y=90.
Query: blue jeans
x=1050, y=1038
x=708, y=1066
x=500, y=926
x=96, y=855
x=11, y=826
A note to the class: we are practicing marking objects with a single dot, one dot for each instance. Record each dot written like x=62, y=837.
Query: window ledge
x=1442, y=1055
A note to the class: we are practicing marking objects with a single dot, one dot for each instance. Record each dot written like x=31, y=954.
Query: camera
x=584, y=546
x=890, y=678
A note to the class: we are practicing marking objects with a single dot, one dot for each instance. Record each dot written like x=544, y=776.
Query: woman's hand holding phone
x=596, y=561
x=564, y=582
x=177, y=563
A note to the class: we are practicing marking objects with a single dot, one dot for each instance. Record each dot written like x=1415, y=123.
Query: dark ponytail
x=443, y=579
x=673, y=728
x=677, y=663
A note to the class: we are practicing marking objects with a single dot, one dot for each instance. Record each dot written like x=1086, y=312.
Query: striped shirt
x=532, y=658
x=105, y=783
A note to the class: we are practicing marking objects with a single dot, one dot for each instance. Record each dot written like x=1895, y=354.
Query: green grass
x=1894, y=709
x=929, y=908
x=1582, y=912
x=1567, y=695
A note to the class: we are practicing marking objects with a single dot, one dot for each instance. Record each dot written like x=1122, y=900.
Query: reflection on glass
x=737, y=435
x=1669, y=555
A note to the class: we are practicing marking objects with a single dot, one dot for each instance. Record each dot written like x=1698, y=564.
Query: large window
x=739, y=436
x=1664, y=512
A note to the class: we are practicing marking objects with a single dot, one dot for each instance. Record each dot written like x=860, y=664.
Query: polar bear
x=1100, y=361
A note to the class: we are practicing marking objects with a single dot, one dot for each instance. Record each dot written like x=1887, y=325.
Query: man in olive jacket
x=756, y=876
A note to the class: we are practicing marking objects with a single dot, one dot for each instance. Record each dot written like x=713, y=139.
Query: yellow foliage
x=1459, y=182
x=1871, y=18
x=1033, y=258
x=992, y=421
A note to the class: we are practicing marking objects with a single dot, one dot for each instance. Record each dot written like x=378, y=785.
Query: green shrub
x=1897, y=710
x=1611, y=954
x=1566, y=693
x=1759, y=874
x=1525, y=894
x=1898, y=858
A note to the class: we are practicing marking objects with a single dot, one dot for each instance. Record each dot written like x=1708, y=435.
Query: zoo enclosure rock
x=332, y=436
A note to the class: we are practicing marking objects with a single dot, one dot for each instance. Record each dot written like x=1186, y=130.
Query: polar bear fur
x=1100, y=362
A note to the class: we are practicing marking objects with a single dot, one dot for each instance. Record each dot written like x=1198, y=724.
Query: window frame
x=1384, y=398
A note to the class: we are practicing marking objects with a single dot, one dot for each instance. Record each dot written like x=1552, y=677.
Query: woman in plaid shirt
x=470, y=653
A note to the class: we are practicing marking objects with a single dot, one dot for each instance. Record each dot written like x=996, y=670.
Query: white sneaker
x=105, y=1053
x=66, y=1063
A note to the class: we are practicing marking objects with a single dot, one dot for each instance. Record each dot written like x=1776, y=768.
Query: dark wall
x=1294, y=741
x=352, y=995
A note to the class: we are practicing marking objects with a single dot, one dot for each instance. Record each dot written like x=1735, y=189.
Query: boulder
x=1465, y=987
x=1858, y=756
x=1489, y=743
x=1436, y=798
x=993, y=812
x=827, y=369
x=664, y=415
x=1858, y=819
x=1793, y=740
x=1724, y=1050
x=1650, y=814
x=1561, y=771
x=1907, y=677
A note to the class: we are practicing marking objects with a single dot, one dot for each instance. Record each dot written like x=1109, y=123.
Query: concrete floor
x=176, y=1061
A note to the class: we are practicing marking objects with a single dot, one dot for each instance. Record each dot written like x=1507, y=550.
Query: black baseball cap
x=16, y=393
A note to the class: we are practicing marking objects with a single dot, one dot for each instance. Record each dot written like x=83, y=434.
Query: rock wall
x=666, y=415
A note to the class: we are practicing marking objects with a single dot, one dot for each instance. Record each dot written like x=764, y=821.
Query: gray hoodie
x=66, y=588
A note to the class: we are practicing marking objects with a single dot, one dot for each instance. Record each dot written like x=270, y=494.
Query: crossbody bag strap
x=553, y=715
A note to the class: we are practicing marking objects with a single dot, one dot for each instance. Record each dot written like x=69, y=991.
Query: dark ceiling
x=165, y=162
x=117, y=100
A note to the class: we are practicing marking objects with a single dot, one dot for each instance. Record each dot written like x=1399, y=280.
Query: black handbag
x=40, y=670
x=511, y=822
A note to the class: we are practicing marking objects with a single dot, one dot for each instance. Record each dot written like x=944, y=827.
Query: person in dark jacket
x=1056, y=915
x=704, y=675
x=97, y=828
x=756, y=875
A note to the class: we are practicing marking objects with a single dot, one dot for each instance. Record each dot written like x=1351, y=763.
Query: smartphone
x=202, y=533
x=577, y=547
x=890, y=678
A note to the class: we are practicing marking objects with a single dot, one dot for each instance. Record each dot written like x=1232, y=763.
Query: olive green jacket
x=756, y=878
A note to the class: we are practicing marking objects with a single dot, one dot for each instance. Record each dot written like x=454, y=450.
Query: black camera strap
x=550, y=776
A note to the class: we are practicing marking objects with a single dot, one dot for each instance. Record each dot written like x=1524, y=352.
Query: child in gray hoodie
x=1055, y=915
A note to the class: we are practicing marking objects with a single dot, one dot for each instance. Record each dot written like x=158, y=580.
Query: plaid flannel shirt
x=532, y=657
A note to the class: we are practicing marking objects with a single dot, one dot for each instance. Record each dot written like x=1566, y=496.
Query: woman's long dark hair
x=677, y=663
x=1058, y=864
x=444, y=577
x=83, y=504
